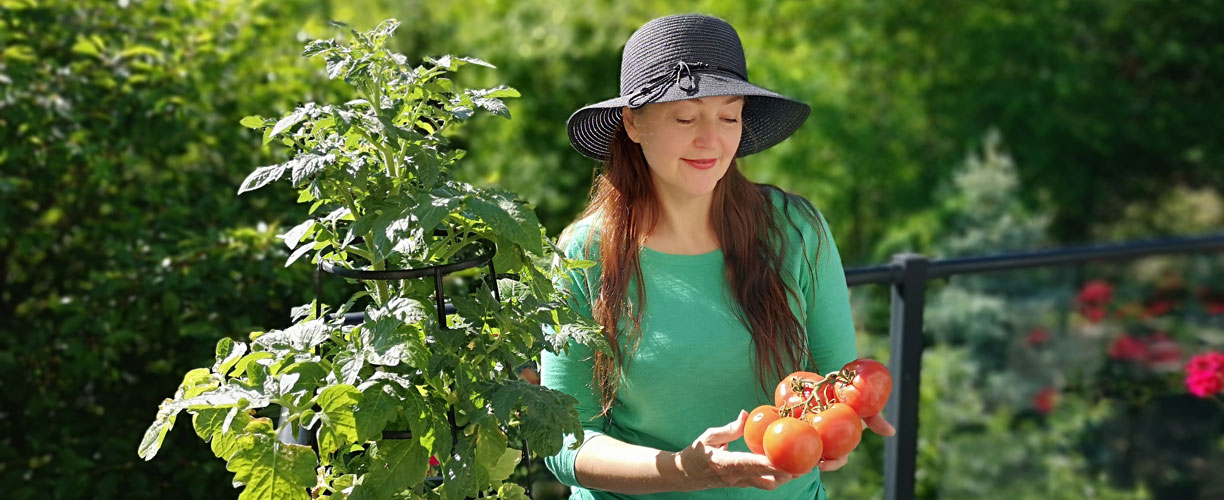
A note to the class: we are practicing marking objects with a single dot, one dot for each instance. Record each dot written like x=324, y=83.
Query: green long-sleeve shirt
x=694, y=367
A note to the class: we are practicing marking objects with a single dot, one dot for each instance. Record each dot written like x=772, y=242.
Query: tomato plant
x=754, y=429
x=379, y=398
x=792, y=445
x=864, y=384
x=840, y=429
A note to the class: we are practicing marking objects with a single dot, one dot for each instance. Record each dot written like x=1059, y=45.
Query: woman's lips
x=702, y=164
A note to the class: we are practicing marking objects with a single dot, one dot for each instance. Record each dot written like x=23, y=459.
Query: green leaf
x=432, y=208
x=504, y=466
x=396, y=465
x=347, y=366
x=379, y=404
x=228, y=354
x=550, y=414
x=294, y=236
x=289, y=120
x=253, y=121
x=497, y=92
x=300, y=337
x=270, y=469
x=388, y=341
x=316, y=47
x=476, y=61
x=511, y=491
x=339, y=428
x=297, y=254
x=509, y=218
x=261, y=177
x=459, y=471
x=210, y=426
x=307, y=165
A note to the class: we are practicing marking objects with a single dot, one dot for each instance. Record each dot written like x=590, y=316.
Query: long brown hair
x=753, y=245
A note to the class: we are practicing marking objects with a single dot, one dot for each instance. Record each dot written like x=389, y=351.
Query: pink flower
x=1163, y=353
x=1096, y=292
x=1045, y=399
x=1093, y=298
x=1037, y=337
x=1210, y=362
x=1126, y=348
x=433, y=461
x=1204, y=385
x=1157, y=308
x=1205, y=374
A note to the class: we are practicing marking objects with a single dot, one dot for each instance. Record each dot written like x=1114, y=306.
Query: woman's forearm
x=608, y=464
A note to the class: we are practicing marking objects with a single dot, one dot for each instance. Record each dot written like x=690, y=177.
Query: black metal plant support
x=436, y=272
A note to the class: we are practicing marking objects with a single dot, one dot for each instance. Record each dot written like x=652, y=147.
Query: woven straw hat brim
x=768, y=117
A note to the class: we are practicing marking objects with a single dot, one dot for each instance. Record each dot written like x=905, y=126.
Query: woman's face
x=688, y=144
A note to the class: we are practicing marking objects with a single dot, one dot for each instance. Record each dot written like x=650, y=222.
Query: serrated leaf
x=476, y=61
x=396, y=466
x=283, y=124
x=508, y=218
x=253, y=121
x=297, y=254
x=271, y=469
x=300, y=337
x=339, y=427
x=551, y=414
x=495, y=106
x=379, y=404
x=388, y=341
x=316, y=47
x=504, y=466
x=307, y=165
x=511, y=491
x=432, y=208
x=210, y=426
x=347, y=367
x=261, y=177
x=459, y=471
x=228, y=353
x=294, y=236
x=497, y=92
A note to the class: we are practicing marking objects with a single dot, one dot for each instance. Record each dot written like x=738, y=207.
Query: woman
x=709, y=288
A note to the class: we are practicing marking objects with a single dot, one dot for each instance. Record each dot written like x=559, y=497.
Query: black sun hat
x=681, y=57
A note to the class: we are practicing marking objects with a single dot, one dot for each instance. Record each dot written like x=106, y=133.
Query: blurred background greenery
x=944, y=127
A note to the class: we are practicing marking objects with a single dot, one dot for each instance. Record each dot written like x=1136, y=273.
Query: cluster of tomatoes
x=815, y=417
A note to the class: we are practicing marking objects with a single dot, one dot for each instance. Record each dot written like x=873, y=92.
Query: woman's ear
x=629, y=118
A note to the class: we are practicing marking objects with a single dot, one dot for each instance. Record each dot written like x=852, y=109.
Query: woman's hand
x=877, y=424
x=707, y=464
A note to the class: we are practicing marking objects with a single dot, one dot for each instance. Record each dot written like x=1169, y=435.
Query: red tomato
x=868, y=388
x=840, y=430
x=792, y=445
x=754, y=429
x=783, y=391
x=795, y=402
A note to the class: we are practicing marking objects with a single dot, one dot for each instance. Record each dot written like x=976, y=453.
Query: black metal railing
x=909, y=273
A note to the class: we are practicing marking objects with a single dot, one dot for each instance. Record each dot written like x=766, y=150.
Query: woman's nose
x=707, y=135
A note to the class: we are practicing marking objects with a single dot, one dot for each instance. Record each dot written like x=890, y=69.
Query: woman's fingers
x=718, y=437
x=880, y=426
x=828, y=465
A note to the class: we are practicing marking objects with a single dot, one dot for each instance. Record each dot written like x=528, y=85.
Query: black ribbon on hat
x=680, y=75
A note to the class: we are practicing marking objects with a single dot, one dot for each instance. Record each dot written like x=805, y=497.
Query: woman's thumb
x=718, y=436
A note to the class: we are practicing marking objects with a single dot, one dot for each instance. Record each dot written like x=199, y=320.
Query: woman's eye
x=682, y=120
x=730, y=120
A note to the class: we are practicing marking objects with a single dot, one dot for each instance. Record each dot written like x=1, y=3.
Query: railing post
x=905, y=363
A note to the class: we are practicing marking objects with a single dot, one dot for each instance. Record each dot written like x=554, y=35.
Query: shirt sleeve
x=570, y=373
x=830, y=326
